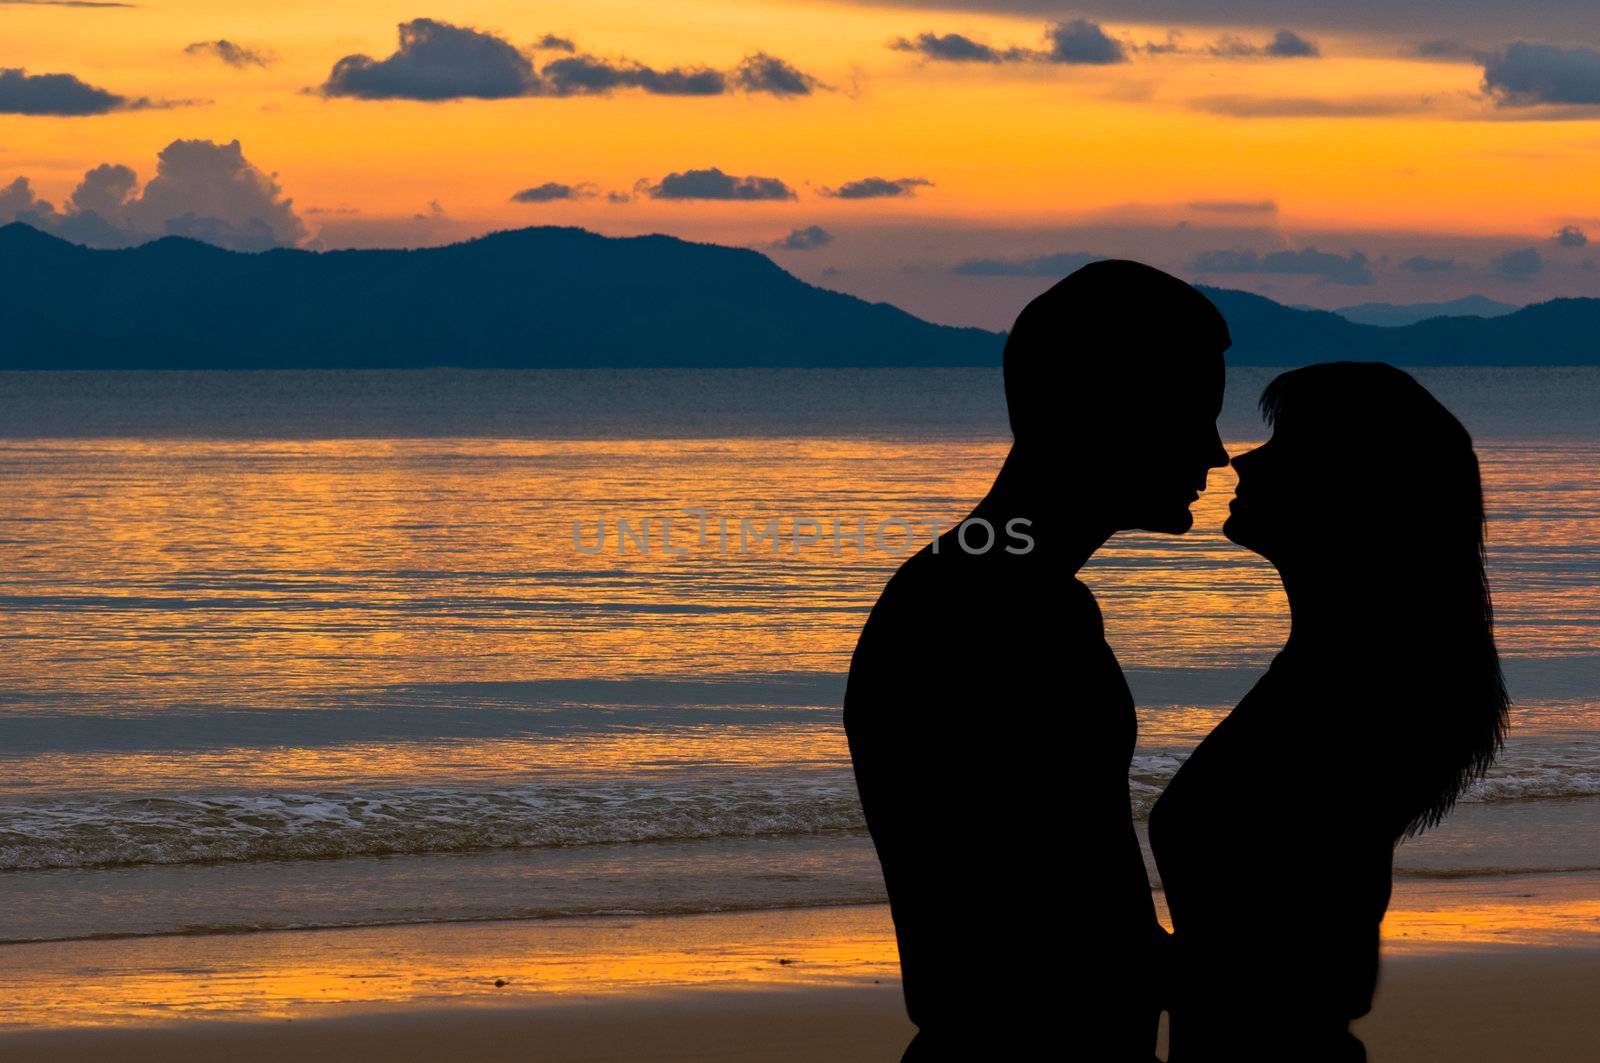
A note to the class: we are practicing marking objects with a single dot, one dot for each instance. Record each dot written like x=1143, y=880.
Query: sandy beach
x=1462, y=980
x=1505, y=1007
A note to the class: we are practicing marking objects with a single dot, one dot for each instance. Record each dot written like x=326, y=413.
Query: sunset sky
x=950, y=157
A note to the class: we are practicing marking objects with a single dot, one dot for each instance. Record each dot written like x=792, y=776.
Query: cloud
x=551, y=192
x=1234, y=206
x=1571, y=236
x=765, y=73
x=1521, y=265
x=1171, y=46
x=1057, y=265
x=1423, y=264
x=757, y=74
x=551, y=43
x=235, y=55
x=440, y=61
x=1577, y=19
x=436, y=61
x=1081, y=41
x=586, y=75
x=62, y=95
x=199, y=183
x=1308, y=261
x=714, y=184
x=955, y=48
x=808, y=239
x=1084, y=42
x=1285, y=44
x=105, y=190
x=201, y=189
x=18, y=201
x=1305, y=106
x=878, y=188
x=1524, y=74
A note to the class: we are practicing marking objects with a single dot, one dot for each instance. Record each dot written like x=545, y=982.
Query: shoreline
x=1429, y=911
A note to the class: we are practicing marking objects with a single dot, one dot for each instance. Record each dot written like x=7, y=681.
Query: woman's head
x=1364, y=465
x=1368, y=493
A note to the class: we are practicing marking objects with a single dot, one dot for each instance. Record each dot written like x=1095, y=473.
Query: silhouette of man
x=989, y=723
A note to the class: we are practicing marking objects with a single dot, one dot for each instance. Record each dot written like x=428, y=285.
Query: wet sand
x=817, y=984
x=1498, y=1008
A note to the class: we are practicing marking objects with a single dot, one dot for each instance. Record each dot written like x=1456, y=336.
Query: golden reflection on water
x=637, y=754
x=259, y=569
x=285, y=574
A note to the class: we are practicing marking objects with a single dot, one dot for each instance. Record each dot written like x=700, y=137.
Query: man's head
x=1114, y=380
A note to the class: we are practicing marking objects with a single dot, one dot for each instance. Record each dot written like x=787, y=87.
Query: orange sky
x=1029, y=146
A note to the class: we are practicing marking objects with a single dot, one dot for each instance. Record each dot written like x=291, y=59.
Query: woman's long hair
x=1412, y=466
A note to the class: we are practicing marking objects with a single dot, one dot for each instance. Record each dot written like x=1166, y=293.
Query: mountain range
x=564, y=297
x=1390, y=315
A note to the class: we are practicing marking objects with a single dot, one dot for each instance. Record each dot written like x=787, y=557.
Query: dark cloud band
x=878, y=188
x=1524, y=74
x=807, y=239
x=553, y=192
x=62, y=95
x=1308, y=261
x=714, y=184
x=235, y=55
x=1083, y=42
x=1482, y=19
x=439, y=61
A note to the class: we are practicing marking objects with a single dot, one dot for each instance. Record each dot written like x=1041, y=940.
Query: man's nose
x=1219, y=453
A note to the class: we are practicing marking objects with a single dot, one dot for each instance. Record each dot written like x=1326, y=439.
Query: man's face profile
x=1158, y=461
x=1115, y=376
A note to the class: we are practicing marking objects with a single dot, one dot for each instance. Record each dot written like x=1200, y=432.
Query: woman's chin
x=1239, y=532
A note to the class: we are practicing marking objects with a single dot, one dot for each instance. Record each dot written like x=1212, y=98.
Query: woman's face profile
x=1275, y=505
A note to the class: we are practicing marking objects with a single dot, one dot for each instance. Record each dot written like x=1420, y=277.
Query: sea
x=333, y=649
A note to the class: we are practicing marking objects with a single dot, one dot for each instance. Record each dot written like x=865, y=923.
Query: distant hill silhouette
x=562, y=297
x=1558, y=332
x=546, y=297
x=1391, y=315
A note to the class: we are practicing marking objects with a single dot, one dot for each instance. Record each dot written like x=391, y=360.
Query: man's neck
x=1030, y=488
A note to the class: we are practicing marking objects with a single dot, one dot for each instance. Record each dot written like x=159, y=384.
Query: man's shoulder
x=933, y=588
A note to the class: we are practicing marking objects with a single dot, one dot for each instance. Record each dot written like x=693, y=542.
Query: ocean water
x=334, y=649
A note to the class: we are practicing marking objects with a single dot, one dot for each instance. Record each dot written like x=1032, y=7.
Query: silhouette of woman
x=1275, y=840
